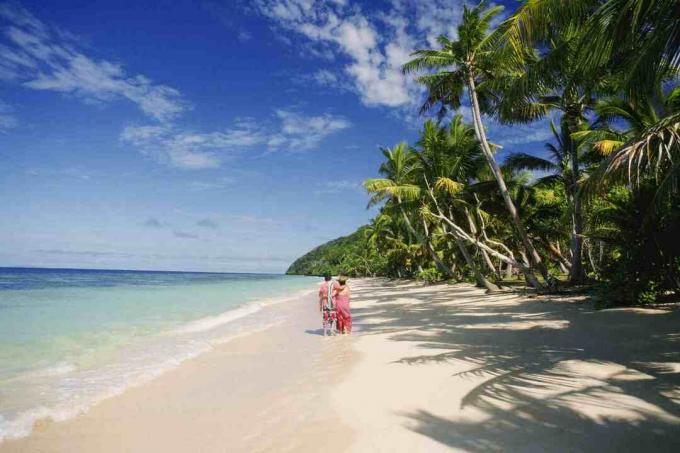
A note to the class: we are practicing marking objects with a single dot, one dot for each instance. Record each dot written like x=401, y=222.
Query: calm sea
x=69, y=338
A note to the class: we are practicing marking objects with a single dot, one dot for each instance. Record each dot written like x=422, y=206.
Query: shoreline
x=281, y=365
x=428, y=368
x=186, y=342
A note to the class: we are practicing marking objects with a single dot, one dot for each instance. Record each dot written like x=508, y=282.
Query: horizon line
x=136, y=270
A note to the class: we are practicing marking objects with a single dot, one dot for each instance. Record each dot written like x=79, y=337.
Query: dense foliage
x=604, y=207
x=349, y=255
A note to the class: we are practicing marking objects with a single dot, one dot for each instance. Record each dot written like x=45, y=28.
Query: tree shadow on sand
x=554, y=374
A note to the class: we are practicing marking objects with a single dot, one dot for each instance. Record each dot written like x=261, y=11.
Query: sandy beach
x=428, y=368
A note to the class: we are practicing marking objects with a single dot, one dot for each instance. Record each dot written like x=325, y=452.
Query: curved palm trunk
x=485, y=256
x=495, y=169
x=426, y=242
x=481, y=280
x=459, y=233
x=556, y=253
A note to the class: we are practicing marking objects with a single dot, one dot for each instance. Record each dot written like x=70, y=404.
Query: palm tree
x=550, y=79
x=560, y=170
x=648, y=145
x=399, y=186
x=640, y=38
x=638, y=41
x=450, y=159
x=463, y=64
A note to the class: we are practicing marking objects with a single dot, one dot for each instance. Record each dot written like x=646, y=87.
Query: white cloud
x=177, y=149
x=371, y=45
x=299, y=132
x=46, y=58
x=293, y=131
x=373, y=69
x=340, y=186
x=375, y=45
x=325, y=77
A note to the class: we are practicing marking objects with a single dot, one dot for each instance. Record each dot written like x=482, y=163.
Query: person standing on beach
x=327, y=288
x=341, y=299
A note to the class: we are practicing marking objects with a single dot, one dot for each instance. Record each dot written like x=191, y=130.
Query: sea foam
x=64, y=389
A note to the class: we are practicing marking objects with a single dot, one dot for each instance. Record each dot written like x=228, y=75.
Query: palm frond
x=449, y=186
x=524, y=161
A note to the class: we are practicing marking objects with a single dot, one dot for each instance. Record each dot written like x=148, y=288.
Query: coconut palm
x=450, y=158
x=400, y=187
x=464, y=63
x=647, y=145
x=563, y=167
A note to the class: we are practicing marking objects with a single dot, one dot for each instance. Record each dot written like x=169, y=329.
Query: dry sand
x=429, y=368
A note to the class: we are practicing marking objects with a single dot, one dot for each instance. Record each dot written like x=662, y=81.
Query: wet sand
x=428, y=368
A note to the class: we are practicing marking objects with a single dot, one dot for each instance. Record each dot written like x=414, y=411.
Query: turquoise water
x=69, y=338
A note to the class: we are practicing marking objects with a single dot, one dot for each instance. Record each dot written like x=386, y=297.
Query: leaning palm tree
x=399, y=187
x=549, y=79
x=463, y=64
x=450, y=158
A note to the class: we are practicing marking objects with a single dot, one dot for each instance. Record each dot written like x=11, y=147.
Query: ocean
x=70, y=338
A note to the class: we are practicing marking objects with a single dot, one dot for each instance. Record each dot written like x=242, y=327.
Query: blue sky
x=212, y=136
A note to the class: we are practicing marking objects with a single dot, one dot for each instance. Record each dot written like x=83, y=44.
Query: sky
x=203, y=135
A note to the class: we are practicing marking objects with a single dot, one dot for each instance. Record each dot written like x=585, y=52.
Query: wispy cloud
x=340, y=28
x=340, y=186
x=374, y=44
x=154, y=223
x=300, y=132
x=84, y=253
x=252, y=219
x=43, y=57
x=208, y=223
x=7, y=118
x=174, y=148
x=289, y=130
x=216, y=184
x=185, y=235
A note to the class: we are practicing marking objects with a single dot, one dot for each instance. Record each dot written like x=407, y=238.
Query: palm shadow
x=553, y=373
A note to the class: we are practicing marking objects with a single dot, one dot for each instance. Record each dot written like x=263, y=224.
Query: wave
x=211, y=322
x=80, y=390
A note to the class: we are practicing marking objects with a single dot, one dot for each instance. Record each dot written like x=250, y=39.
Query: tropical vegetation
x=599, y=205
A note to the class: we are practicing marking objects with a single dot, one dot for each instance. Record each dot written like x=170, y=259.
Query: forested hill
x=335, y=257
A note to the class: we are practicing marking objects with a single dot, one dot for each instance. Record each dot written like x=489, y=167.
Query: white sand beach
x=428, y=368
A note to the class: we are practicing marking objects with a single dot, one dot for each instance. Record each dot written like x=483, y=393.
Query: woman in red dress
x=341, y=299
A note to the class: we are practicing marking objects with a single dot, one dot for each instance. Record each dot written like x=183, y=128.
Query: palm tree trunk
x=459, y=233
x=508, y=271
x=556, y=253
x=495, y=169
x=576, y=274
x=485, y=256
x=426, y=242
x=481, y=280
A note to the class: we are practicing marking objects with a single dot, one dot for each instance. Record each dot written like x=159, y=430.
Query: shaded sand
x=450, y=368
x=429, y=368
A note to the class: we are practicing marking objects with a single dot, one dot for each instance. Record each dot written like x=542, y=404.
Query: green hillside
x=344, y=255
